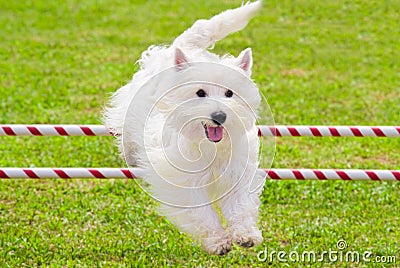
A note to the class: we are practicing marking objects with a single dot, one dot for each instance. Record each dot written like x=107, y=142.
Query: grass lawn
x=316, y=62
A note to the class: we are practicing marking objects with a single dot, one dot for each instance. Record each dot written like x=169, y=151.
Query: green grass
x=316, y=62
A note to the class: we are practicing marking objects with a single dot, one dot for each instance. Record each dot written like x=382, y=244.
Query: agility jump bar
x=277, y=131
x=133, y=173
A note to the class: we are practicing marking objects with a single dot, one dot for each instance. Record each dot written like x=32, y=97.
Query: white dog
x=187, y=120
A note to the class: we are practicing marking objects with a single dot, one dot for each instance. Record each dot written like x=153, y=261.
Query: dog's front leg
x=203, y=224
x=240, y=209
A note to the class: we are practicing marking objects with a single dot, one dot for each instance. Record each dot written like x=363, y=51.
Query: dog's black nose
x=218, y=117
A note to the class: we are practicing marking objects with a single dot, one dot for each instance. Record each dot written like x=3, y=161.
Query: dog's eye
x=201, y=93
x=229, y=93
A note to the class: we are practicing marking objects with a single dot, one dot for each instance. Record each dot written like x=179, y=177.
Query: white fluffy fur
x=162, y=131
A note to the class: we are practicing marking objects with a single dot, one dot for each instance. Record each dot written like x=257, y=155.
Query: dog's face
x=216, y=103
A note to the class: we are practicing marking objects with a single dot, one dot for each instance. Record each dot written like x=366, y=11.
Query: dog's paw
x=244, y=242
x=223, y=248
x=217, y=245
x=247, y=240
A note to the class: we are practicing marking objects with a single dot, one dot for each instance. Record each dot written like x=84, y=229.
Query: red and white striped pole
x=279, y=131
x=132, y=173
x=334, y=174
x=330, y=131
x=69, y=173
x=54, y=130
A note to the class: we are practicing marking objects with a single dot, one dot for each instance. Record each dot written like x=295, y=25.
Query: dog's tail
x=204, y=33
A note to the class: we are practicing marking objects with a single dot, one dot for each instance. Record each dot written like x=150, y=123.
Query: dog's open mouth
x=214, y=133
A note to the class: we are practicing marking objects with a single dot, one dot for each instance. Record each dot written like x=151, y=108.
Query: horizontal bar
x=273, y=174
x=278, y=131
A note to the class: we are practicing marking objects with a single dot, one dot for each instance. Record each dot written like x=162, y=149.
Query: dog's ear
x=245, y=61
x=181, y=61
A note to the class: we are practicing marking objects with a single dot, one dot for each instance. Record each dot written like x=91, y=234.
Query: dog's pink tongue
x=215, y=133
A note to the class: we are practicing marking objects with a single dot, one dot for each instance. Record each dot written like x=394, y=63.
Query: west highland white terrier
x=187, y=120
